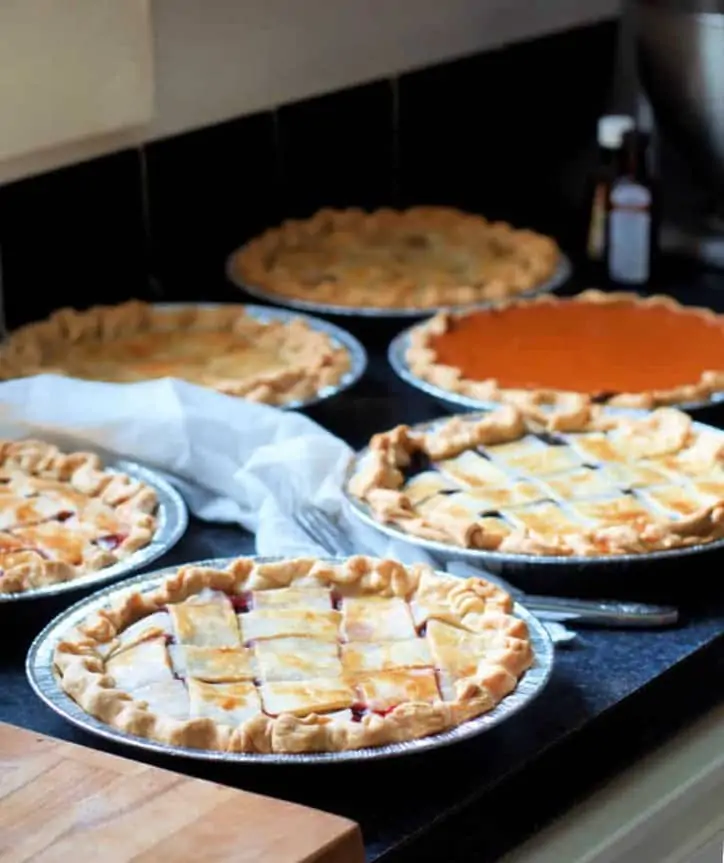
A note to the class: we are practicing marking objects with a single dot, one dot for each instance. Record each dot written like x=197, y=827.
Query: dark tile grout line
x=3, y=320
x=395, y=88
x=153, y=283
x=279, y=166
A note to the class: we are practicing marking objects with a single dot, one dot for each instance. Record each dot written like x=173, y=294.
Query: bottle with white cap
x=632, y=210
x=611, y=132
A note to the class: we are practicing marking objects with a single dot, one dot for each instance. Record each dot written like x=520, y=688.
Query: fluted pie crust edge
x=38, y=348
x=472, y=607
x=664, y=441
x=527, y=260
x=422, y=360
x=43, y=470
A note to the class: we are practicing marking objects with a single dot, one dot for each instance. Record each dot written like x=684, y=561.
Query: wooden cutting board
x=61, y=803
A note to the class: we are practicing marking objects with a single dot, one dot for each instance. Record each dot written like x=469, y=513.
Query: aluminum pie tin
x=172, y=519
x=45, y=684
x=396, y=356
x=561, y=275
x=340, y=339
x=496, y=560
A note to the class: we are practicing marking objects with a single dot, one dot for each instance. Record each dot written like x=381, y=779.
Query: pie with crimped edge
x=298, y=655
x=420, y=258
x=62, y=515
x=225, y=348
x=608, y=347
x=591, y=481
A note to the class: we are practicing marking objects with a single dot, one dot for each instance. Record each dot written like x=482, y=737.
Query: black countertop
x=612, y=697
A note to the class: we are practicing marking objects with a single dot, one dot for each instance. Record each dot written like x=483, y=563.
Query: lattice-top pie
x=415, y=259
x=63, y=515
x=222, y=347
x=297, y=655
x=587, y=482
x=616, y=348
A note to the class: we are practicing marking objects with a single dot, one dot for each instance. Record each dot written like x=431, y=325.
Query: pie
x=297, y=655
x=419, y=258
x=591, y=481
x=223, y=347
x=63, y=515
x=606, y=346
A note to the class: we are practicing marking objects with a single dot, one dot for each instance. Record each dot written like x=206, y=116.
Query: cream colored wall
x=217, y=59
x=71, y=72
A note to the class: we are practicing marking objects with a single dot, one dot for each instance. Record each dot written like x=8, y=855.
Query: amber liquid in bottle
x=611, y=130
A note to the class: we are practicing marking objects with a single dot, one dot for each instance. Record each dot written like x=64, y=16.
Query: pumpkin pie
x=222, y=347
x=63, y=515
x=421, y=258
x=615, y=348
x=297, y=655
x=591, y=481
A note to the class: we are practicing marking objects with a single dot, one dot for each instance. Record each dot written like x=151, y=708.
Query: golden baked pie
x=297, y=655
x=419, y=258
x=63, y=515
x=222, y=347
x=614, y=348
x=591, y=481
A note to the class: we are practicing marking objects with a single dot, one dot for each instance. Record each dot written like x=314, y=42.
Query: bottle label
x=629, y=246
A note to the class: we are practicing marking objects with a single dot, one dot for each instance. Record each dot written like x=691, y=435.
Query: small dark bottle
x=631, y=234
x=611, y=131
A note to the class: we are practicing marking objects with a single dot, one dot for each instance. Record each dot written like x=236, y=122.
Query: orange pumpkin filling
x=617, y=347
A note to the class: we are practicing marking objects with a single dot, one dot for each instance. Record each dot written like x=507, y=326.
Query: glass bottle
x=631, y=203
x=611, y=131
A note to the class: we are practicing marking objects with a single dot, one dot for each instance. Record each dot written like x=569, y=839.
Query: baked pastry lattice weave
x=62, y=515
x=586, y=481
x=298, y=655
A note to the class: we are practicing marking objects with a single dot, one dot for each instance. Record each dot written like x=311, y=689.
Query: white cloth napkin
x=233, y=461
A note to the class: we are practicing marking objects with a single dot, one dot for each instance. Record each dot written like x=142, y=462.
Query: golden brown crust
x=64, y=515
x=422, y=360
x=656, y=482
x=310, y=360
x=471, y=608
x=323, y=259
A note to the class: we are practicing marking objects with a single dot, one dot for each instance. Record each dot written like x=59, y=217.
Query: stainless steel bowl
x=680, y=47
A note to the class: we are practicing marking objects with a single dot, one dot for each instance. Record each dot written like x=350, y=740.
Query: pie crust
x=590, y=481
x=420, y=258
x=222, y=347
x=298, y=655
x=62, y=515
x=634, y=354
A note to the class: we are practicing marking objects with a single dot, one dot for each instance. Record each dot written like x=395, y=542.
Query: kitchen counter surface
x=613, y=695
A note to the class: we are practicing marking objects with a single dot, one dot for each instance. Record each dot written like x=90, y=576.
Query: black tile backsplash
x=208, y=191
x=507, y=133
x=73, y=237
x=338, y=150
x=498, y=133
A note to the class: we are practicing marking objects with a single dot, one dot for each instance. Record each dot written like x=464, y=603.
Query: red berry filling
x=241, y=602
x=110, y=541
x=385, y=711
x=358, y=711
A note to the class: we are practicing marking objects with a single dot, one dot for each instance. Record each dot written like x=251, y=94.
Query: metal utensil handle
x=603, y=612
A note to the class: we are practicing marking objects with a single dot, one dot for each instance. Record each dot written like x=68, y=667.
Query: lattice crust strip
x=63, y=515
x=603, y=484
x=298, y=656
